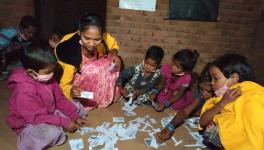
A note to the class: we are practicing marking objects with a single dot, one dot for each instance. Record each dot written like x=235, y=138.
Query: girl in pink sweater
x=38, y=110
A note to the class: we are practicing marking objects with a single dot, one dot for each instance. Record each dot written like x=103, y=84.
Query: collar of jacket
x=69, y=51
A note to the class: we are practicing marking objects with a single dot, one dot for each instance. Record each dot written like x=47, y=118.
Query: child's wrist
x=154, y=91
x=167, y=104
x=170, y=127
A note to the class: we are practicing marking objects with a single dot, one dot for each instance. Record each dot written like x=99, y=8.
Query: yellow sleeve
x=68, y=72
x=67, y=79
x=110, y=42
x=68, y=36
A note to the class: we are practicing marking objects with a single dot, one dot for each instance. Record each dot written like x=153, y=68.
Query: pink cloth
x=33, y=102
x=41, y=136
x=171, y=89
x=95, y=77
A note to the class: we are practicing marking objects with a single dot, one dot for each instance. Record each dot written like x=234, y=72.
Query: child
x=236, y=115
x=177, y=78
x=140, y=79
x=38, y=110
x=55, y=37
x=202, y=90
x=13, y=41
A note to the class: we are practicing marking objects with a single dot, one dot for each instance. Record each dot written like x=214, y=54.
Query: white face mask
x=43, y=78
x=180, y=74
x=221, y=91
x=22, y=36
x=52, y=44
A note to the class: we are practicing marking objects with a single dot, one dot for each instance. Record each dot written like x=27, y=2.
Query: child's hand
x=230, y=96
x=82, y=122
x=72, y=127
x=136, y=93
x=159, y=107
x=164, y=135
x=152, y=97
x=75, y=91
x=124, y=92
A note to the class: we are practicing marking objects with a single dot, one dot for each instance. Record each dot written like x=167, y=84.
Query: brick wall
x=11, y=11
x=257, y=54
x=239, y=29
x=137, y=30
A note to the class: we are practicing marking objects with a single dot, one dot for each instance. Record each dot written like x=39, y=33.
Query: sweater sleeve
x=65, y=106
x=32, y=110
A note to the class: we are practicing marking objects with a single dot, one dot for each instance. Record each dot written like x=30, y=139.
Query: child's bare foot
x=164, y=135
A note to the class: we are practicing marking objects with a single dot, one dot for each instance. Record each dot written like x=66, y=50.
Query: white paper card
x=86, y=94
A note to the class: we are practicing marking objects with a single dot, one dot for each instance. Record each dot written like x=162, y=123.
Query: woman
x=84, y=58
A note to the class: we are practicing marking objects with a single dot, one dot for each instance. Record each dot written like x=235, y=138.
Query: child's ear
x=235, y=78
x=31, y=72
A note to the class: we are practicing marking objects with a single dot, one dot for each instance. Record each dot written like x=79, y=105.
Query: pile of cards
x=165, y=121
x=76, y=144
x=129, y=108
x=193, y=122
x=198, y=138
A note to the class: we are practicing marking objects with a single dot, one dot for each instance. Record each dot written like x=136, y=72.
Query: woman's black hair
x=28, y=21
x=90, y=19
x=187, y=58
x=235, y=63
x=37, y=57
x=156, y=53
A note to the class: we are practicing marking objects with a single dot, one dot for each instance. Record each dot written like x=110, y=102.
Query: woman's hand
x=75, y=92
x=116, y=59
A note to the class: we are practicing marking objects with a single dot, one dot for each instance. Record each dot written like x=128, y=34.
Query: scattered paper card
x=76, y=144
x=118, y=119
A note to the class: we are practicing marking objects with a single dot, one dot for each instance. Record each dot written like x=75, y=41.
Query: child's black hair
x=28, y=21
x=235, y=63
x=156, y=53
x=91, y=19
x=59, y=32
x=205, y=74
x=37, y=57
x=187, y=58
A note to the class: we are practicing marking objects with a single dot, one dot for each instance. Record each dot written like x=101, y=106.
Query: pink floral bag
x=96, y=77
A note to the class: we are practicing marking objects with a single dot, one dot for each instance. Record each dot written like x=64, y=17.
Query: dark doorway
x=64, y=14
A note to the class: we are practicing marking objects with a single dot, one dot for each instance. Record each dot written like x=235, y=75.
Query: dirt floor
x=97, y=117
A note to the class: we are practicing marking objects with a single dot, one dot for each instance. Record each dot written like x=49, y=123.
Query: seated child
x=140, y=79
x=38, y=110
x=234, y=118
x=201, y=91
x=13, y=41
x=177, y=77
x=55, y=37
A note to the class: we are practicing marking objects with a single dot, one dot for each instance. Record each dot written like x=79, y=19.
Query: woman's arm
x=66, y=79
